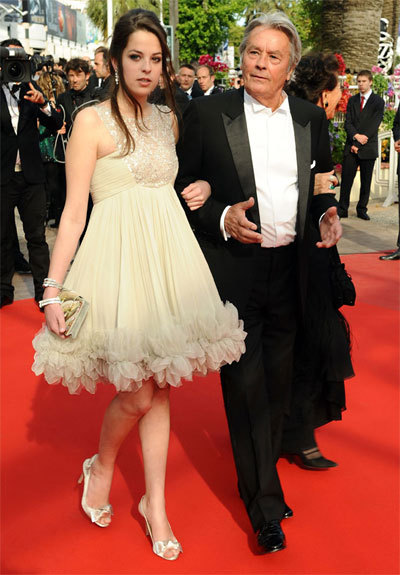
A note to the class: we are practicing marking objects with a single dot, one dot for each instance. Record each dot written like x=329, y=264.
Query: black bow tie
x=15, y=88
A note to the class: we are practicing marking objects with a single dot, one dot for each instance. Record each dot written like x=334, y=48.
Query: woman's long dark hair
x=130, y=22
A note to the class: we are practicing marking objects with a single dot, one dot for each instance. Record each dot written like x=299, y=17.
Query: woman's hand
x=55, y=319
x=325, y=183
x=196, y=194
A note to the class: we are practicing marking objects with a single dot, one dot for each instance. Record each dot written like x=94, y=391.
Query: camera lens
x=15, y=71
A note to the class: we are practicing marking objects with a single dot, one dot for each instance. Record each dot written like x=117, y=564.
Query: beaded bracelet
x=48, y=282
x=44, y=302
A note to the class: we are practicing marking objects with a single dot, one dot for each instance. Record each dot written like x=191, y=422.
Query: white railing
x=390, y=182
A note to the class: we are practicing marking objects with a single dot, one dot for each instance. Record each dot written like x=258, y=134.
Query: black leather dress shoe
x=363, y=216
x=393, y=256
x=21, y=266
x=271, y=537
x=287, y=513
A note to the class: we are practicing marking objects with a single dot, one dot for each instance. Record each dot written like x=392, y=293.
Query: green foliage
x=204, y=25
x=305, y=15
x=388, y=118
x=338, y=136
x=380, y=84
x=97, y=10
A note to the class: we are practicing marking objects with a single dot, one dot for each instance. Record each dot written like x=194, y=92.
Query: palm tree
x=391, y=11
x=352, y=28
x=97, y=10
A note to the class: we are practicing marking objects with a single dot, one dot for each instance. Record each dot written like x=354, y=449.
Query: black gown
x=322, y=359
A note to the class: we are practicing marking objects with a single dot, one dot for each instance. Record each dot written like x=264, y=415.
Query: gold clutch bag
x=75, y=309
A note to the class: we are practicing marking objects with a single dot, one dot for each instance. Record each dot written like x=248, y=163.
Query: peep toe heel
x=95, y=515
x=160, y=547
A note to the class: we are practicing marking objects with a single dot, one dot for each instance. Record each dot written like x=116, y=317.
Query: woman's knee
x=136, y=403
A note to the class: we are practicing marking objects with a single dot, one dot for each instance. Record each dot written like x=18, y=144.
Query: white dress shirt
x=273, y=154
x=208, y=92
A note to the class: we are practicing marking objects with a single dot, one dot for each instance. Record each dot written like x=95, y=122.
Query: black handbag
x=343, y=289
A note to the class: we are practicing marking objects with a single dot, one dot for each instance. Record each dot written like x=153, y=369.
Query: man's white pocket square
x=312, y=165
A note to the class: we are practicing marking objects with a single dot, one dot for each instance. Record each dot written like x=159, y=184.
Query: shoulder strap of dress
x=109, y=123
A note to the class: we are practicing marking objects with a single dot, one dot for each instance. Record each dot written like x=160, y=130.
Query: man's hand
x=196, y=194
x=361, y=138
x=397, y=146
x=35, y=96
x=62, y=130
x=330, y=229
x=354, y=149
x=238, y=226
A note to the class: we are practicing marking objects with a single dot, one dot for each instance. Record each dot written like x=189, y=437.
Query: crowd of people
x=200, y=225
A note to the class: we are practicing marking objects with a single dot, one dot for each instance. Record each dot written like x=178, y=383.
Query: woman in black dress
x=322, y=359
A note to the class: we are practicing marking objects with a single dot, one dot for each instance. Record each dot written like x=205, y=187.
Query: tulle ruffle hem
x=126, y=358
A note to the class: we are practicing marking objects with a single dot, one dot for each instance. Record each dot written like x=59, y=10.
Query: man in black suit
x=396, y=135
x=23, y=178
x=259, y=150
x=102, y=71
x=186, y=79
x=79, y=94
x=206, y=78
x=363, y=117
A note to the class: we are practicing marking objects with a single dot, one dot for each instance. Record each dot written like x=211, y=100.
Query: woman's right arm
x=80, y=162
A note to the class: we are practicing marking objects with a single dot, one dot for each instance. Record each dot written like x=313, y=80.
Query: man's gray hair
x=276, y=21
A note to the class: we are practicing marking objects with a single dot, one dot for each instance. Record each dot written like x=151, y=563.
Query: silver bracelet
x=48, y=282
x=44, y=302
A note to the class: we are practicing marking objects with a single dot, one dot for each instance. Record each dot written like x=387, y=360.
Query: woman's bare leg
x=154, y=435
x=121, y=415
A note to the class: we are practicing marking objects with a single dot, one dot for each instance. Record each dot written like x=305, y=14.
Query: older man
x=259, y=150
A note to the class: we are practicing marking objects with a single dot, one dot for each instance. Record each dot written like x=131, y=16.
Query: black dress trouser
x=349, y=170
x=30, y=199
x=256, y=389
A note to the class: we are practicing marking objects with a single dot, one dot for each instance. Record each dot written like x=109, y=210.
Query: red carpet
x=346, y=520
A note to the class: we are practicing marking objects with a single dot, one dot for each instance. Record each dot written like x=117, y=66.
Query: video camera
x=40, y=62
x=15, y=65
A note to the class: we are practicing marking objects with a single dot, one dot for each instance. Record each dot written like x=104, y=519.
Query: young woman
x=155, y=316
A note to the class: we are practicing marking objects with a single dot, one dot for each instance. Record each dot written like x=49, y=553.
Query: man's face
x=185, y=78
x=265, y=63
x=100, y=67
x=205, y=79
x=364, y=84
x=77, y=80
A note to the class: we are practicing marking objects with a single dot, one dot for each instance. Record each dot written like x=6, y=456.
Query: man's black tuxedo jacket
x=214, y=146
x=364, y=122
x=26, y=140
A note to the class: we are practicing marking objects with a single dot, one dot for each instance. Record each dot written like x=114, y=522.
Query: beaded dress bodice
x=152, y=162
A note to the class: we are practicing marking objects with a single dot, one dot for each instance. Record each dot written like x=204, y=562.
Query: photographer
x=52, y=86
x=78, y=73
x=23, y=177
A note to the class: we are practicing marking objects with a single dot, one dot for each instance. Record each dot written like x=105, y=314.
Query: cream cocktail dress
x=154, y=309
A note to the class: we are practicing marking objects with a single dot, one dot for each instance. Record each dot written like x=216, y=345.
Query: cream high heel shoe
x=160, y=547
x=94, y=514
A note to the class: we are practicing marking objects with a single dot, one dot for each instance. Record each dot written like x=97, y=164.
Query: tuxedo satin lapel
x=23, y=109
x=302, y=135
x=236, y=132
